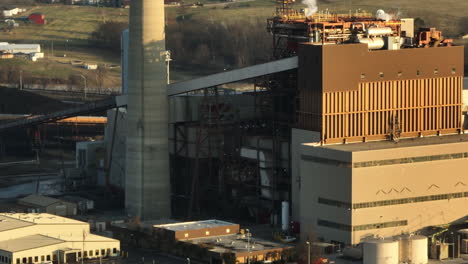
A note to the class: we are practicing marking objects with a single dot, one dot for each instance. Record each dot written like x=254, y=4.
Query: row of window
x=375, y=163
x=207, y=233
x=4, y=259
x=39, y=259
x=418, y=199
x=348, y=228
x=35, y=259
x=400, y=73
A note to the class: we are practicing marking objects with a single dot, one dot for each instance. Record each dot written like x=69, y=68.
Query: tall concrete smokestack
x=147, y=178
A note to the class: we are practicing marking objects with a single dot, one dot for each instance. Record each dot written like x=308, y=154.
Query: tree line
x=215, y=46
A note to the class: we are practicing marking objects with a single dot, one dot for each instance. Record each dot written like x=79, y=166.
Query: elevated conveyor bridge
x=173, y=90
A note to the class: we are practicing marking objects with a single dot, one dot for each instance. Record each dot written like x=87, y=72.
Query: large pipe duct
x=147, y=177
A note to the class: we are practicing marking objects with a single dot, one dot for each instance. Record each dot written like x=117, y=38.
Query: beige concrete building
x=349, y=192
x=37, y=238
x=220, y=242
x=44, y=204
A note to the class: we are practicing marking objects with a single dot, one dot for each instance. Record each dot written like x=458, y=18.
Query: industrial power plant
x=351, y=139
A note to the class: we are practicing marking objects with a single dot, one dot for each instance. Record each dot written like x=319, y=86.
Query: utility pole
x=248, y=245
x=21, y=79
x=308, y=252
x=85, y=86
x=168, y=60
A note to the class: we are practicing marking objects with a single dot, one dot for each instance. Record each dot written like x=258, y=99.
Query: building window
x=207, y=233
x=400, y=73
x=436, y=71
x=30, y=260
x=79, y=254
x=228, y=230
x=36, y=259
x=348, y=228
x=186, y=235
x=42, y=258
x=418, y=73
x=90, y=253
x=97, y=252
x=363, y=76
x=114, y=250
x=454, y=70
x=25, y=260
x=103, y=252
x=18, y=261
x=381, y=74
x=48, y=257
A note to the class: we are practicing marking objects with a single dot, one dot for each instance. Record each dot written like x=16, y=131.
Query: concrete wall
x=337, y=181
x=327, y=181
x=298, y=136
x=42, y=252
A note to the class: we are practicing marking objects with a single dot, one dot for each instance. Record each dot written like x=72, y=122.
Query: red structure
x=37, y=18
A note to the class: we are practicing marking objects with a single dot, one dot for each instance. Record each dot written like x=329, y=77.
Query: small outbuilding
x=44, y=204
x=37, y=18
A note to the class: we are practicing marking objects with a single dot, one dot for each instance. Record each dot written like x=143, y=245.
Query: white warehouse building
x=38, y=238
x=19, y=48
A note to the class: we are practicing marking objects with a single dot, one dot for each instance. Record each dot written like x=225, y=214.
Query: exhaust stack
x=147, y=183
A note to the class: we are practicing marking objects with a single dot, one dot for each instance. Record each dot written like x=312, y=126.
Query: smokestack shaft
x=147, y=178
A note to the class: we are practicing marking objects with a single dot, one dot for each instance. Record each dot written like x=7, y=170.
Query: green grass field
x=65, y=22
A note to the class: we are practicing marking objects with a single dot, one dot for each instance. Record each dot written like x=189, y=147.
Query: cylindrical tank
x=418, y=250
x=464, y=241
x=381, y=251
x=285, y=215
x=379, y=31
x=373, y=43
x=413, y=249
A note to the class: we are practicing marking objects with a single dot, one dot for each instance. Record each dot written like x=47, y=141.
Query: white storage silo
x=464, y=241
x=413, y=249
x=418, y=250
x=381, y=251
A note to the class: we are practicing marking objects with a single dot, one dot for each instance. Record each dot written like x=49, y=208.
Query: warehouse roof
x=194, y=225
x=28, y=242
x=8, y=223
x=41, y=219
x=38, y=200
x=238, y=244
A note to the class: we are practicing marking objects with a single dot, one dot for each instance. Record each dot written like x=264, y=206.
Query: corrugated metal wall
x=426, y=106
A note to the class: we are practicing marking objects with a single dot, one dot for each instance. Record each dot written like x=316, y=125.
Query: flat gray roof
x=237, y=243
x=402, y=143
x=28, y=242
x=9, y=223
x=195, y=225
